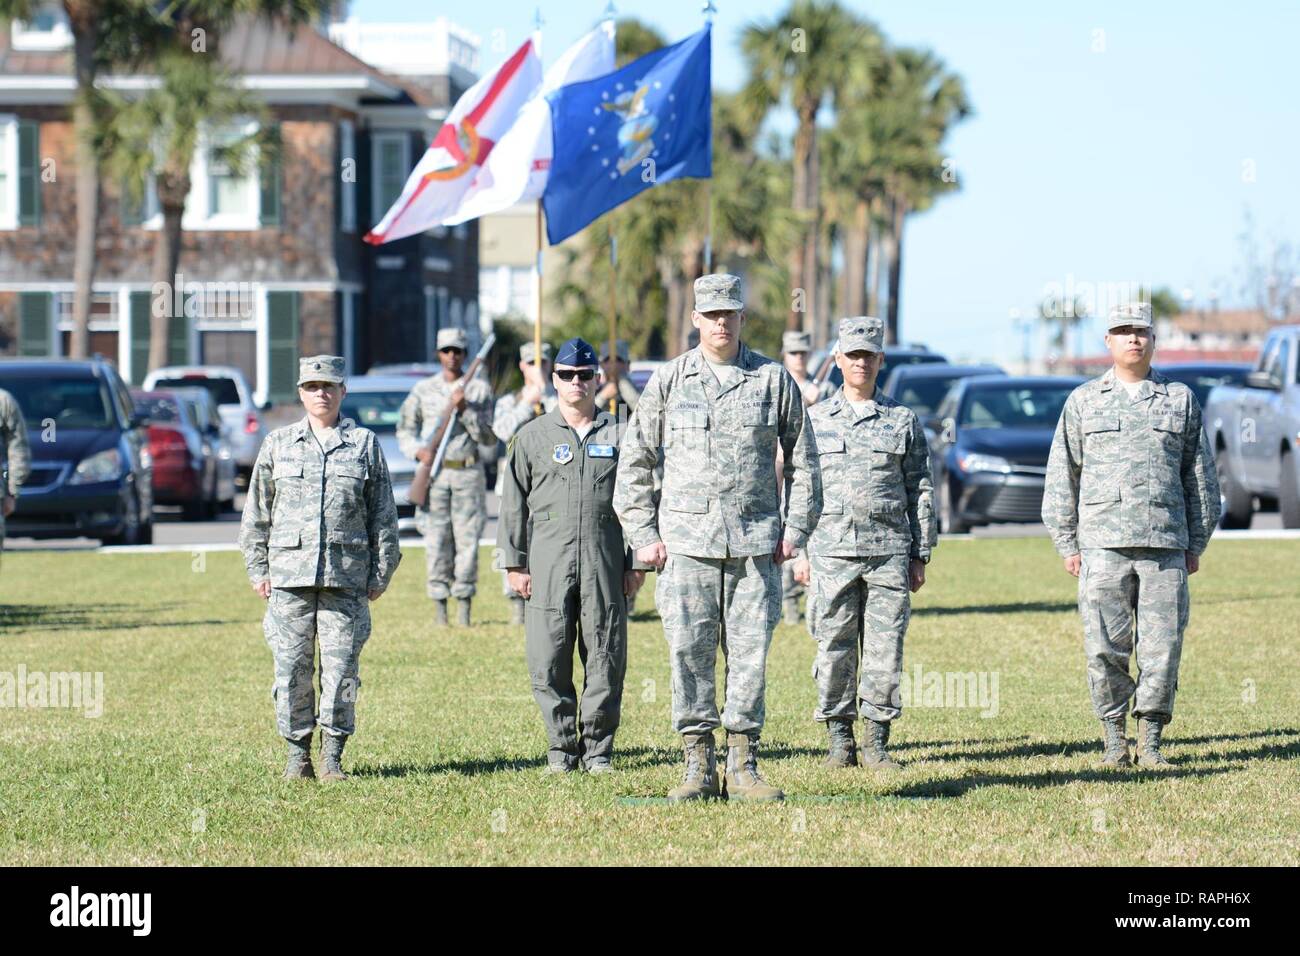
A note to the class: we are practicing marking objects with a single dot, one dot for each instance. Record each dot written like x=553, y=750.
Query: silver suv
x=234, y=399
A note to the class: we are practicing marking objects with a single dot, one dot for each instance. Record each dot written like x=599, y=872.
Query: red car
x=183, y=474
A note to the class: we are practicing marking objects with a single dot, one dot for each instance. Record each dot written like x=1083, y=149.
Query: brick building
x=273, y=262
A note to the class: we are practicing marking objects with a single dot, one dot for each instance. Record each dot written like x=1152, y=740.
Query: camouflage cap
x=796, y=342
x=529, y=349
x=862, y=333
x=621, y=347
x=718, y=292
x=321, y=368
x=451, y=338
x=1136, y=314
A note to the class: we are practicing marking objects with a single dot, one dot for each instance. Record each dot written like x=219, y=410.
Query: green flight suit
x=557, y=521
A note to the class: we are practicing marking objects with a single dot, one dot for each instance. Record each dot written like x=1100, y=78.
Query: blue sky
x=1112, y=142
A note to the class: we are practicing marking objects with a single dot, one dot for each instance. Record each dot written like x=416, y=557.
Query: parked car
x=1254, y=430
x=91, y=470
x=990, y=452
x=234, y=400
x=373, y=402
x=186, y=447
x=895, y=356
x=922, y=386
x=409, y=369
x=208, y=413
x=1202, y=377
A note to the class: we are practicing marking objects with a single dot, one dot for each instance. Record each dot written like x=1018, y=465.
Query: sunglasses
x=452, y=349
x=583, y=374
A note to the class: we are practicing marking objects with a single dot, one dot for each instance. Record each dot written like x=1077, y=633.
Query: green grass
x=183, y=767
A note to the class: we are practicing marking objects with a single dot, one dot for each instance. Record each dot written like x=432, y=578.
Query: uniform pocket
x=285, y=539
x=689, y=504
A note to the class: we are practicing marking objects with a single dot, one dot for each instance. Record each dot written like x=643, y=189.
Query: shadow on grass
x=961, y=786
x=1041, y=607
x=92, y=617
x=631, y=758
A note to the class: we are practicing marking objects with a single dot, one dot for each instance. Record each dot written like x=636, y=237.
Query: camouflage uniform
x=452, y=517
x=14, y=448
x=792, y=590
x=877, y=514
x=1131, y=486
x=557, y=522
x=720, y=517
x=510, y=415
x=320, y=523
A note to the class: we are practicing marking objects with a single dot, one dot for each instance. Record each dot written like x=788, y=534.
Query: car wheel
x=130, y=534
x=1288, y=498
x=949, y=522
x=194, y=510
x=146, y=533
x=1238, y=505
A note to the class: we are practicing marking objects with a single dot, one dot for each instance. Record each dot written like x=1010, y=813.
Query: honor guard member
x=565, y=555
x=1131, y=500
x=17, y=454
x=719, y=412
x=451, y=518
x=319, y=537
x=869, y=550
x=513, y=412
x=623, y=390
x=794, y=355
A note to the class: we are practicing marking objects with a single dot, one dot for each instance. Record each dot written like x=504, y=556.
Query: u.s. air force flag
x=627, y=131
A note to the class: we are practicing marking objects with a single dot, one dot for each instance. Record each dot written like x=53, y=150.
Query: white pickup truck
x=1255, y=431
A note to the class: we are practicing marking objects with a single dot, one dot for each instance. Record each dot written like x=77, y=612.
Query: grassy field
x=183, y=765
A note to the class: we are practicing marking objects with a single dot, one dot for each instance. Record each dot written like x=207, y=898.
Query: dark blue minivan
x=90, y=453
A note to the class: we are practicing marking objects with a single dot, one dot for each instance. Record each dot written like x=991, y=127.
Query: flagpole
x=537, y=265
x=710, y=10
x=613, y=315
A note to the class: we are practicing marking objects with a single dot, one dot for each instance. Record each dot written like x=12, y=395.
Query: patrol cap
x=620, y=346
x=862, y=333
x=1136, y=314
x=528, y=350
x=718, y=291
x=576, y=352
x=321, y=368
x=792, y=341
x=451, y=338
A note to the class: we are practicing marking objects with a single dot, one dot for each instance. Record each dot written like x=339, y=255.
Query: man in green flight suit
x=564, y=553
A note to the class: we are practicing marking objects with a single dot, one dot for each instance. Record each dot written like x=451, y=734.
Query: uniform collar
x=343, y=433
x=1159, y=384
x=839, y=403
x=747, y=363
x=556, y=419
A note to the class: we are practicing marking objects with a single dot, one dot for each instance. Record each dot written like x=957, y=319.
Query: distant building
x=1204, y=336
x=283, y=242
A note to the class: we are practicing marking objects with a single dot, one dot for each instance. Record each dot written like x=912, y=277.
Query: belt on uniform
x=455, y=465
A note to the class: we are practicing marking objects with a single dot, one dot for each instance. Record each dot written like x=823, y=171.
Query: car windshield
x=1014, y=406
x=923, y=395
x=158, y=410
x=224, y=391
x=374, y=410
x=67, y=402
x=1201, y=383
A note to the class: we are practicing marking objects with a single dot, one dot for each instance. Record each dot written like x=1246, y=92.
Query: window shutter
x=141, y=306
x=269, y=180
x=282, y=345
x=178, y=334
x=29, y=174
x=34, y=318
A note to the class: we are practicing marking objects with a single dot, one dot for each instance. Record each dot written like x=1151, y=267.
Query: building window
x=8, y=172
x=230, y=194
x=46, y=29
x=348, y=172
x=103, y=323
x=392, y=162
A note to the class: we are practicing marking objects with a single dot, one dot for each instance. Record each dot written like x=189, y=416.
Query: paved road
x=171, y=531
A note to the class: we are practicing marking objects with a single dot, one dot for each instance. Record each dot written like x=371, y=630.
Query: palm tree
x=803, y=56
x=157, y=133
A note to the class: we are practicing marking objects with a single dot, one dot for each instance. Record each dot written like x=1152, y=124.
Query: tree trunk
x=855, y=259
x=166, y=258
x=803, y=200
x=85, y=30
x=899, y=211
x=878, y=243
x=675, y=307
x=825, y=284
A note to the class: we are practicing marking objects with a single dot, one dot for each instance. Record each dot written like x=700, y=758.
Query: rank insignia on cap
x=563, y=453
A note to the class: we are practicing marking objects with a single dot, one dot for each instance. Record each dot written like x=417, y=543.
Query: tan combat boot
x=331, y=755
x=440, y=612
x=700, y=782
x=462, y=612
x=1148, y=744
x=1116, y=743
x=843, y=748
x=874, y=738
x=299, y=766
x=743, y=781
